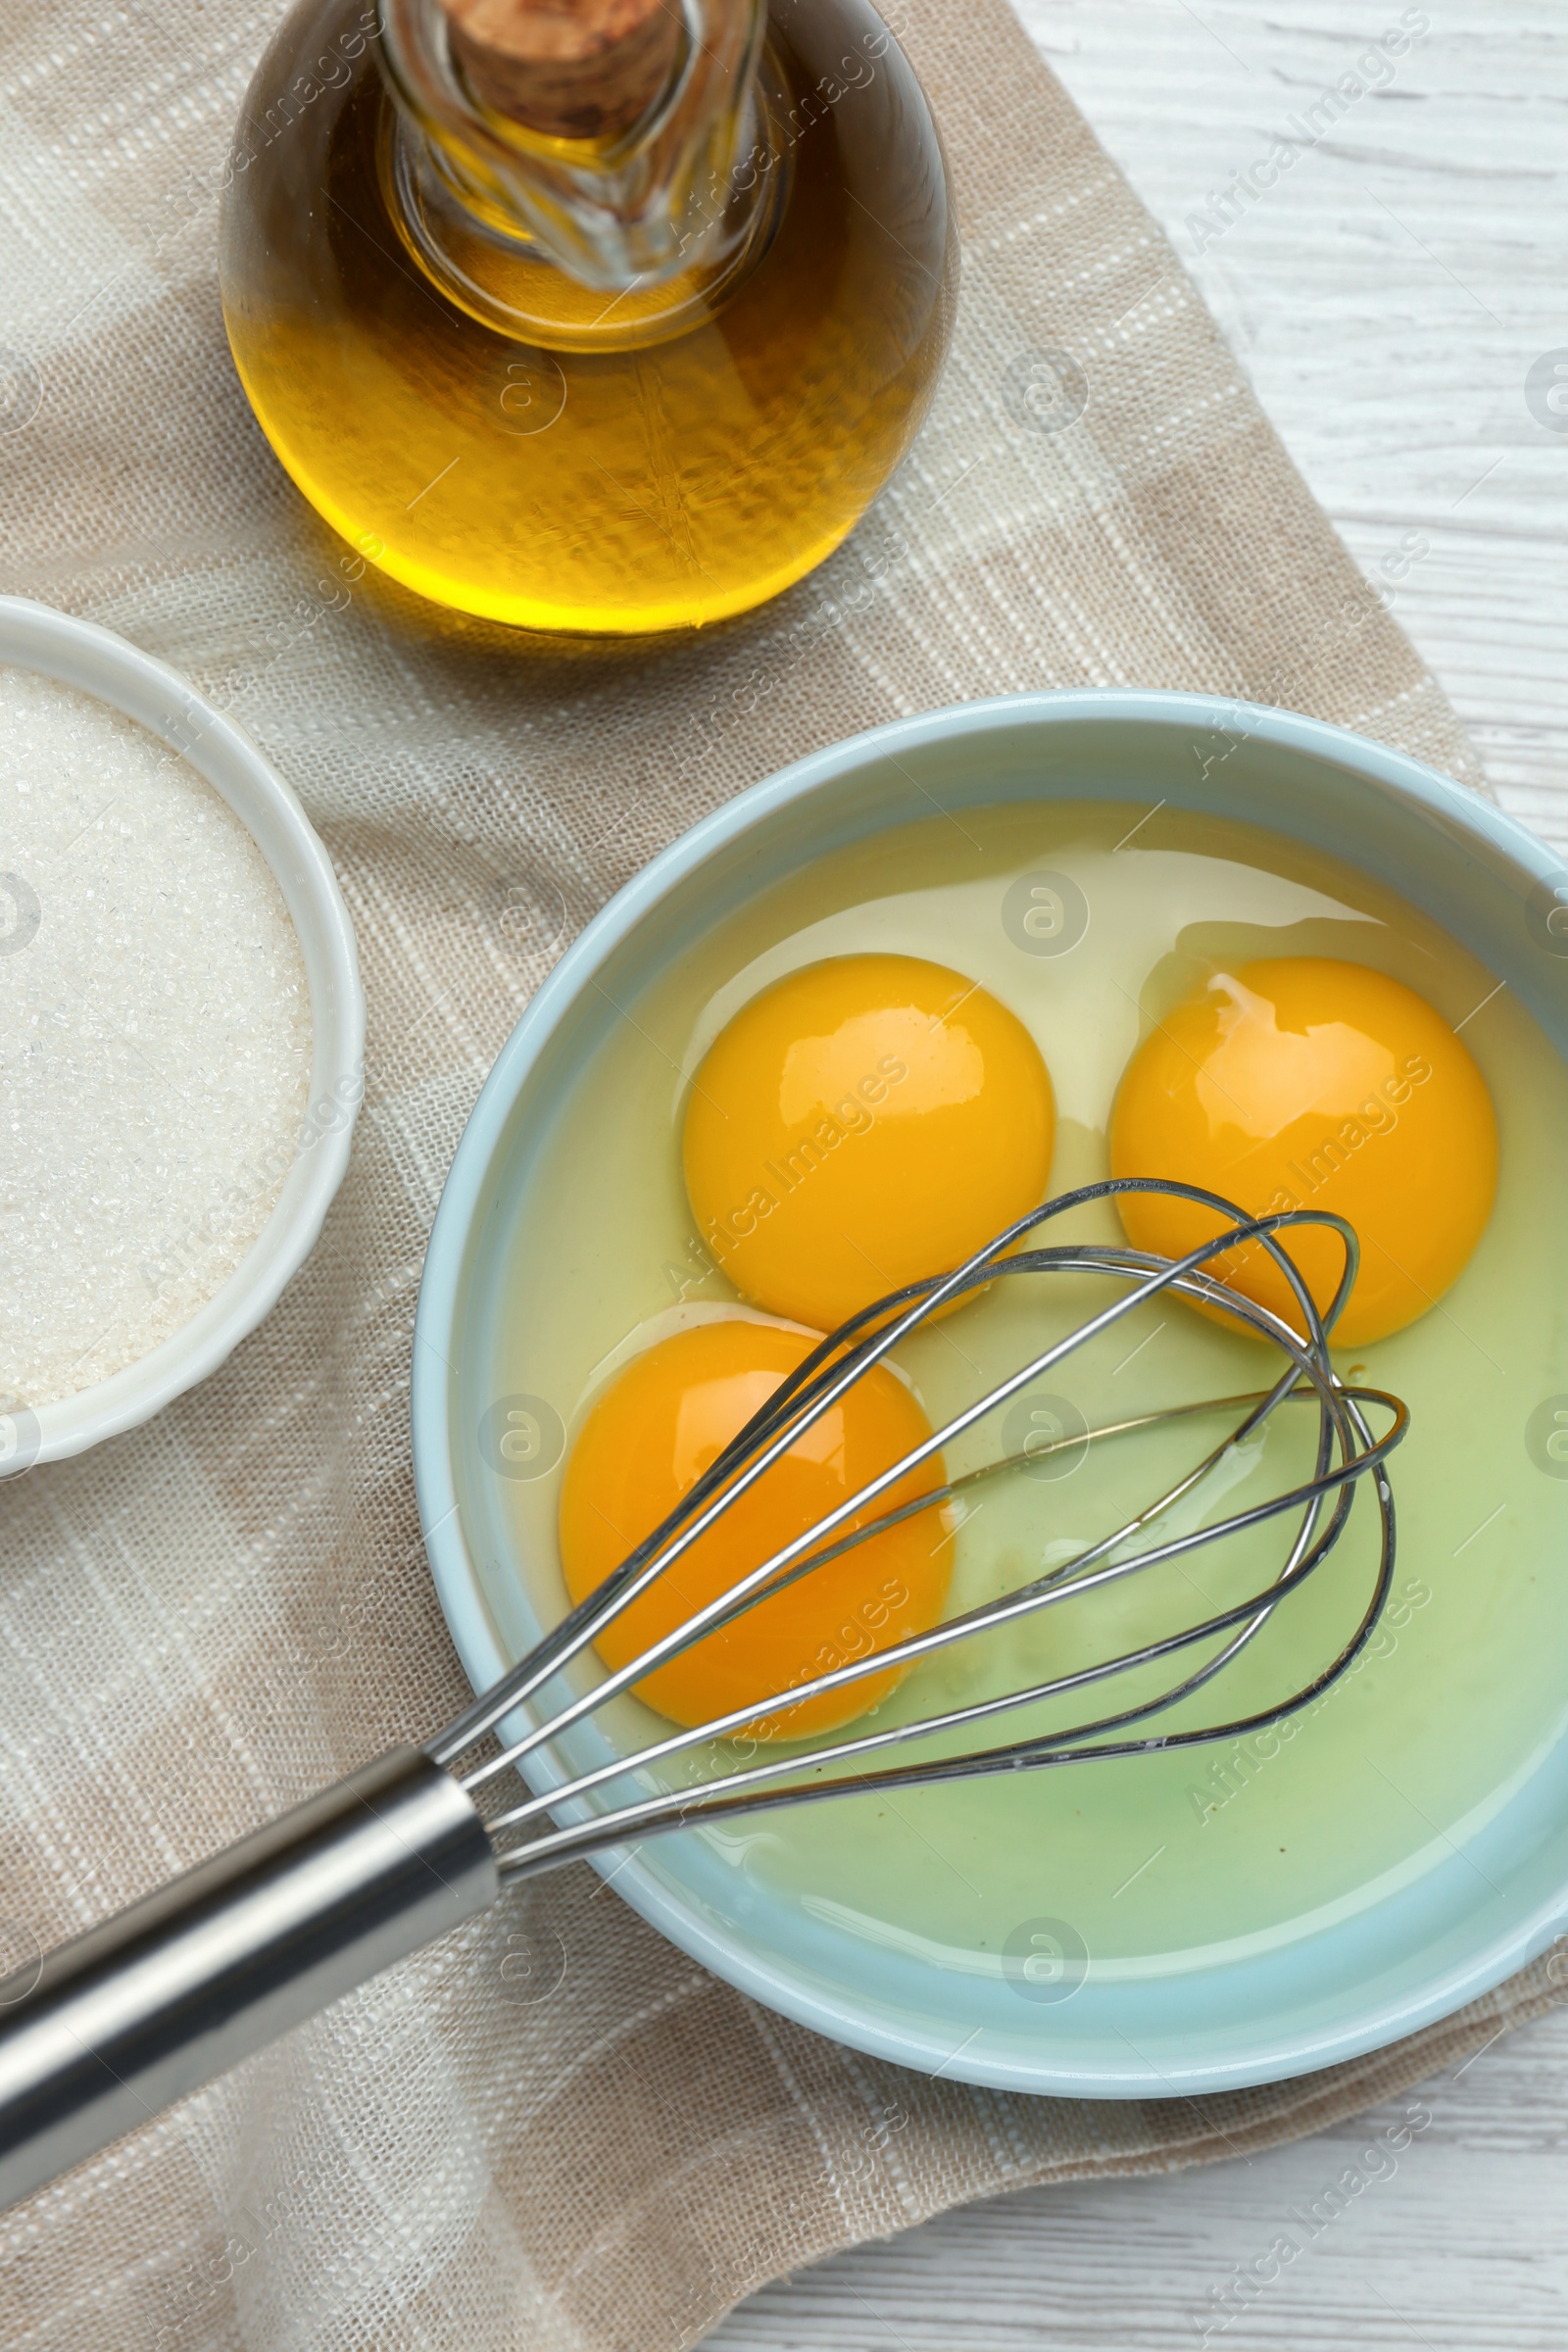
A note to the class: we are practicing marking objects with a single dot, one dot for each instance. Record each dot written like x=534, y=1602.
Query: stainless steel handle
x=156, y=2000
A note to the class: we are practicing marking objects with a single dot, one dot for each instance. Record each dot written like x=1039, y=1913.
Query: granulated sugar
x=155, y=1041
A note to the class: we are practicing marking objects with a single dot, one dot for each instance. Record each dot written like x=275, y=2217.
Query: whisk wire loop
x=824, y=1377
x=1248, y=1614
x=811, y=1391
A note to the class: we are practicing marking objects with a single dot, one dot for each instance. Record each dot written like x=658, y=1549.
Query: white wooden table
x=1388, y=300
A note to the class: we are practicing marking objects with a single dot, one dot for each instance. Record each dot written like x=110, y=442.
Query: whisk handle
x=117, y=2024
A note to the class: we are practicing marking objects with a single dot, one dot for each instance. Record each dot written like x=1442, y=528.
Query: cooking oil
x=652, y=452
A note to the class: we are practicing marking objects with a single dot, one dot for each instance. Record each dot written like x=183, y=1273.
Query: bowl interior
x=1477, y=1906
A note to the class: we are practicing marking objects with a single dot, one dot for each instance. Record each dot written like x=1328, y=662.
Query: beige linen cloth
x=550, y=2130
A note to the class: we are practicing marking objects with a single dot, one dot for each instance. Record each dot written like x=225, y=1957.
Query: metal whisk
x=160, y=1998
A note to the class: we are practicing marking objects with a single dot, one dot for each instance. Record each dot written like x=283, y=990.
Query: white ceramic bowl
x=80, y=654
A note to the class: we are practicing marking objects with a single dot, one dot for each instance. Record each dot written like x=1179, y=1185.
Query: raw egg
x=1302, y=1083
x=861, y=1123
x=649, y=1436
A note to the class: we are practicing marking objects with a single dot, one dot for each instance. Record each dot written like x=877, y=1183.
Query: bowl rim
x=1387, y=2015
x=97, y=661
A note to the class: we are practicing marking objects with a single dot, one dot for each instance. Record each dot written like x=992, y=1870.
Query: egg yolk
x=1302, y=1083
x=860, y=1124
x=649, y=1436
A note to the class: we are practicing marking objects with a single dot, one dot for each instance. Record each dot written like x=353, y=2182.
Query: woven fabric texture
x=204, y=1620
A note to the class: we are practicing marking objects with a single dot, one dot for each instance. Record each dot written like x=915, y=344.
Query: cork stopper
x=572, y=68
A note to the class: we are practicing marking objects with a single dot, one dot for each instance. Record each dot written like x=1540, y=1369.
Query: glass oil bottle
x=594, y=377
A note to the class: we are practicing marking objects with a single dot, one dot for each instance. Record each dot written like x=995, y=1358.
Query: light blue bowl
x=1413, y=1956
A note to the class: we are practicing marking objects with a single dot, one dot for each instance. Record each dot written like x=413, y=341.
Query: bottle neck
x=586, y=243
